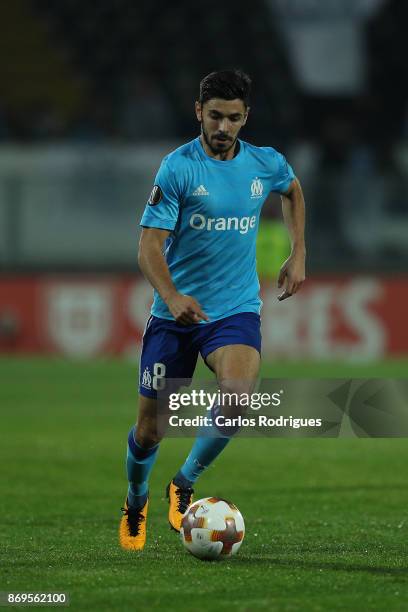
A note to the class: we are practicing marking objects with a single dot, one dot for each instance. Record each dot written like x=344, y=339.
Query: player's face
x=221, y=121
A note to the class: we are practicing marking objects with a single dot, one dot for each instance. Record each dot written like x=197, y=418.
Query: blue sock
x=139, y=464
x=207, y=446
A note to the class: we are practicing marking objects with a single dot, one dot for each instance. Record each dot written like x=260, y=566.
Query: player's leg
x=142, y=448
x=236, y=367
x=143, y=444
x=166, y=355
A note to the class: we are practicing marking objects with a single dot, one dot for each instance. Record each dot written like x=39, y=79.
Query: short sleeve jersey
x=212, y=210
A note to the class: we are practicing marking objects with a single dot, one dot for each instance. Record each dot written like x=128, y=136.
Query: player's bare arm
x=184, y=308
x=292, y=272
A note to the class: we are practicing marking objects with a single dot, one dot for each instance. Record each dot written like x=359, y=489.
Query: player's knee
x=235, y=396
x=148, y=433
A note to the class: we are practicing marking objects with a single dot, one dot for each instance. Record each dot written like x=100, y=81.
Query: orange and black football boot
x=132, y=529
x=179, y=500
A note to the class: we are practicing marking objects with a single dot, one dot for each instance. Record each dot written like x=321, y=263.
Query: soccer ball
x=212, y=528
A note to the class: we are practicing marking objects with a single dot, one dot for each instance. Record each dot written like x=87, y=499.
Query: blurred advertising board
x=334, y=317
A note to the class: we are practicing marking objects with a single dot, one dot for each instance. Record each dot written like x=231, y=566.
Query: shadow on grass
x=320, y=565
x=342, y=488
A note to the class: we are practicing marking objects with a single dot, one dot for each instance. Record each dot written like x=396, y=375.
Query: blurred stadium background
x=93, y=95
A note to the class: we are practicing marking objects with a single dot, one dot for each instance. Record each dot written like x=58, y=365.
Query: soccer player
x=197, y=249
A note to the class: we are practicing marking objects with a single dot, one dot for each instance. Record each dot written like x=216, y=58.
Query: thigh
x=232, y=349
x=167, y=356
x=236, y=366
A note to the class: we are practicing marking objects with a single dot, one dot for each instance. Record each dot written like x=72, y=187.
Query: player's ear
x=198, y=110
x=245, y=116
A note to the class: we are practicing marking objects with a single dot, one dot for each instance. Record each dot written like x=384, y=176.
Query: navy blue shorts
x=170, y=350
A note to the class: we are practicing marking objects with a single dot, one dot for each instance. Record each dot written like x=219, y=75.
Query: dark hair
x=227, y=85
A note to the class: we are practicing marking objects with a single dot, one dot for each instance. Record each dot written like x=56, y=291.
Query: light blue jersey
x=212, y=208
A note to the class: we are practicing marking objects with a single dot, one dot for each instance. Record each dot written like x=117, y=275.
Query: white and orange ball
x=212, y=528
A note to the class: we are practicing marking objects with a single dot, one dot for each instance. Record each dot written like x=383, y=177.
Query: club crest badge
x=256, y=188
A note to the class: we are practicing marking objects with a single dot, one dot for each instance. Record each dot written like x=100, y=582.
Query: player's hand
x=185, y=309
x=292, y=275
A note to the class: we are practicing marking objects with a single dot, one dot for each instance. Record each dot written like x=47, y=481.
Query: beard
x=229, y=144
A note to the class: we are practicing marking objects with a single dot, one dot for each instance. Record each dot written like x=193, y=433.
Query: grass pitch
x=326, y=519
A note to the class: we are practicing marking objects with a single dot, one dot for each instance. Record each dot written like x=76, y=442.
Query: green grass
x=326, y=519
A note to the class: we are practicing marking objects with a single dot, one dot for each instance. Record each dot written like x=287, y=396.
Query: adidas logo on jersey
x=201, y=191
